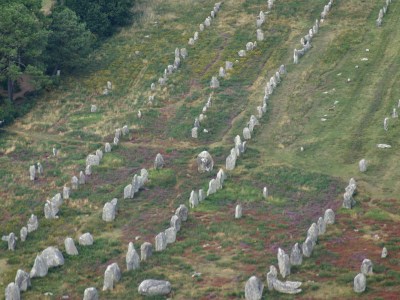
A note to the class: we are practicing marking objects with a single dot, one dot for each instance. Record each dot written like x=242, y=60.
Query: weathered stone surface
x=109, y=210
x=287, y=287
x=158, y=162
x=214, y=83
x=212, y=187
x=39, y=268
x=128, y=192
x=91, y=294
x=33, y=223
x=92, y=159
x=88, y=170
x=116, y=141
x=312, y=232
x=360, y=283
x=74, y=182
x=201, y=27
x=170, y=235
x=282, y=70
x=228, y=65
x=271, y=277
x=366, y=267
x=11, y=241
x=70, y=247
x=296, y=257
x=283, y=263
x=50, y=210
x=182, y=212
x=246, y=133
x=111, y=276
x=230, y=162
x=175, y=222
x=362, y=165
x=107, y=148
x=202, y=195
x=253, y=122
x=86, y=239
x=321, y=226
x=238, y=211
x=260, y=35
x=184, y=53
x=265, y=192
x=221, y=72
x=32, y=172
x=160, y=242
x=146, y=251
x=22, y=280
x=152, y=287
x=205, y=162
x=195, y=132
x=39, y=168
x=99, y=154
x=253, y=289
x=329, y=216
x=125, y=130
x=12, y=292
x=132, y=258
x=66, y=192
x=23, y=233
x=52, y=257
x=307, y=247
x=82, y=178
x=348, y=201
x=384, y=252
x=194, y=199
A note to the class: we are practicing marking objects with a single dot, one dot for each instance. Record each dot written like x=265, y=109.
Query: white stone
x=152, y=287
x=132, y=258
x=111, y=276
x=86, y=239
x=238, y=211
x=360, y=283
x=91, y=294
x=160, y=242
x=22, y=280
x=70, y=247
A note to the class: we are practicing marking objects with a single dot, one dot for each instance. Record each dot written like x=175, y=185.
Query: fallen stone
x=360, y=283
x=152, y=287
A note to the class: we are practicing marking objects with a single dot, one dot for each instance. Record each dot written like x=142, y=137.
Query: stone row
x=382, y=13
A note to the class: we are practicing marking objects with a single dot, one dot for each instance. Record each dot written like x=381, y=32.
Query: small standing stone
x=74, y=183
x=238, y=211
x=82, y=178
x=88, y=170
x=32, y=172
x=214, y=82
x=321, y=226
x=70, y=247
x=170, y=235
x=91, y=294
x=11, y=241
x=66, y=192
x=107, y=148
x=202, y=195
x=22, y=280
x=329, y=216
x=246, y=133
x=86, y=239
x=109, y=212
x=175, y=223
x=132, y=258
x=265, y=192
x=182, y=212
x=362, y=165
x=93, y=108
x=360, y=283
x=146, y=250
x=160, y=242
x=111, y=276
x=23, y=233
x=158, y=162
x=386, y=124
x=253, y=289
x=366, y=267
x=194, y=199
x=384, y=252
x=308, y=247
x=195, y=132
x=296, y=257
x=33, y=223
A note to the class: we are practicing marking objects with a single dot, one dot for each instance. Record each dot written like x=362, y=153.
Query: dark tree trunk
x=10, y=89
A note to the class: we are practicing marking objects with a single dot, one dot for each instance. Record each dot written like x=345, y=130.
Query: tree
x=69, y=41
x=22, y=41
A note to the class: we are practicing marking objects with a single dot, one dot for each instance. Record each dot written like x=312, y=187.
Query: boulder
x=360, y=283
x=160, y=242
x=205, y=162
x=152, y=287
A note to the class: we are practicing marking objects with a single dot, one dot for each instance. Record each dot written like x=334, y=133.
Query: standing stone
x=151, y=287
x=249, y=46
x=82, y=178
x=158, y=162
x=74, y=183
x=55, y=151
x=308, y=247
x=246, y=133
x=360, y=283
x=366, y=267
x=196, y=36
x=195, y=132
x=92, y=159
x=238, y=211
x=70, y=247
x=253, y=289
x=99, y=154
x=22, y=280
x=88, y=170
x=23, y=233
x=182, y=212
x=175, y=223
x=296, y=257
x=214, y=82
x=194, y=199
x=32, y=172
x=205, y=162
x=221, y=72
x=33, y=223
x=283, y=263
x=384, y=252
x=109, y=212
x=11, y=241
x=386, y=124
x=160, y=242
x=329, y=216
x=66, y=192
x=362, y=165
x=146, y=250
x=52, y=257
x=118, y=133
x=191, y=42
x=260, y=35
x=39, y=168
x=265, y=192
x=321, y=226
x=91, y=294
x=12, y=292
x=230, y=162
x=212, y=187
x=39, y=268
x=201, y=27
x=170, y=235
x=132, y=258
x=111, y=276
x=312, y=232
x=107, y=148
x=86, y=239
x=271, y=277
x=207, y=22
x=295, y=57
x=129, y=192
x=184, y=53
x=153, y=86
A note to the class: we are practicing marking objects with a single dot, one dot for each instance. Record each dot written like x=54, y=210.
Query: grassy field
x=302, y=184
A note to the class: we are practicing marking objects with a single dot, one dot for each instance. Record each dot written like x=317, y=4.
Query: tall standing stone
x=238, y=211
x=11, y=241
x=194, y=199
x=366, y=267
x=283, y=263
x=12, y=292
x=313, y=233
x=146, y=251
x=265, y=192
x=111, y=276
x=296, y=257
x=160, y=242
x=362, y=165
x=360, y=283
x=132, y=258
x=33, y=223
